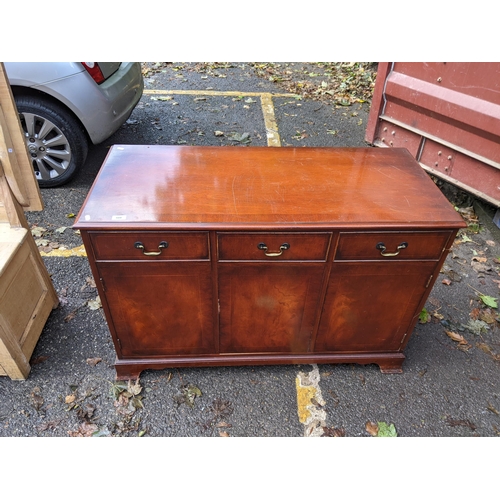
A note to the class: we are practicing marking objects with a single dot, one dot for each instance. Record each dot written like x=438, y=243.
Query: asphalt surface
x=448, y=388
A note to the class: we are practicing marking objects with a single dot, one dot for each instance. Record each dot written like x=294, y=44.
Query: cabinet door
x=370, y=306
x=268, y=307
x=159, y=308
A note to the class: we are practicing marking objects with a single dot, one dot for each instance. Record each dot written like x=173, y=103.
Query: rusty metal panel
x=447, y=115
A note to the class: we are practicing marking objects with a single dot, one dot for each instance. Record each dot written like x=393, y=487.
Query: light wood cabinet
x=209, y=256
x=27, y=295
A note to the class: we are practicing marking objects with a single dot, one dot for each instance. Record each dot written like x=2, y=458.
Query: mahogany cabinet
x=213, y=256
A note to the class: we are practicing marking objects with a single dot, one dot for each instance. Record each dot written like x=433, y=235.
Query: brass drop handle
x=380, y=246
x=263, y=247
x=161, y=246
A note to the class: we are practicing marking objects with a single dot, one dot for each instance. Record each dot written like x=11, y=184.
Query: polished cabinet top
x=231, y=187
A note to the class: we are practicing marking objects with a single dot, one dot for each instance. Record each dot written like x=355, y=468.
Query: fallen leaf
x=456, y=337
x=386, y=430
x=38, y=231
x=70, y=216
x=86, y=413
x=93, y=361
x=36, y=398
x=300, y=135
x=474, y=314
x=486, y=299
x=453, y=275
x=468, y=212
x=48, y=425
x=479, y=259
x=38, y=360
x=223, y=424
x=95, y=304
x=242, y=138
x=41, y=242
x=435, y=302
x=101, y=433
x=487, y=349
x=61, y=229
x=372, y=428
x=489, y=301
x=477, y=326
x=490, y=243
x=84, y=430
x=135, y=388
x=90, y=281
x=118, y=387
x=446, y=282
x=221, y=408
x=455, y=423
x=492, y=409
x=333, y=432
x=218, y=133
x=488, y=316
x=424, y=316
x=70, y=316
x=479, y=268
x=223, y=434
x=188, y=394
x=69, y=399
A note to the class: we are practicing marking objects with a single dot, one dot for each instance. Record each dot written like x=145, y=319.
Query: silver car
x=65, y=106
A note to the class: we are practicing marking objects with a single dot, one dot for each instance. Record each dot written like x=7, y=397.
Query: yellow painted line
x=66, y=252
x=229, y=93
x=273, y=136
x=305, y=394
x=310, y=402
x=266, y=99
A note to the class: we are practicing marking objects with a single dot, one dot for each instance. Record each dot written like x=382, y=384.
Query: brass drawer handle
x=161, y=246
x=382, y=248
x=263, y=247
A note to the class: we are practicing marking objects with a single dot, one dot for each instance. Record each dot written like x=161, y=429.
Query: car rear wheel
x=56, y=142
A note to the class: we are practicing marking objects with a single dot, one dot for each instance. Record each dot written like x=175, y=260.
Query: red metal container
x=447, y=115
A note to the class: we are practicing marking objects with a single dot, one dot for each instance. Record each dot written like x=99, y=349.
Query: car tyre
x=56, y=142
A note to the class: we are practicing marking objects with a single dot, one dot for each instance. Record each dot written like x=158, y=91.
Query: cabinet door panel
x=370, y=306
x=160, y=308
x=268, y=307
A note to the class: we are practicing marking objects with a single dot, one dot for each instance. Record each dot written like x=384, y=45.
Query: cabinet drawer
x=160, y=245
x=273, y=246
x=384, y=245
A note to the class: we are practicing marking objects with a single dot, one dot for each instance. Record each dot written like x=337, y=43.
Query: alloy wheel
x=47, y=145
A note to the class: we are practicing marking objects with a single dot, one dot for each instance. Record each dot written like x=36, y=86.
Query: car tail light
x=94, y=71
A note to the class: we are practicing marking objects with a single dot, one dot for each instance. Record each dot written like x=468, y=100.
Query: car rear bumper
x=117, y=98
x=101, y=109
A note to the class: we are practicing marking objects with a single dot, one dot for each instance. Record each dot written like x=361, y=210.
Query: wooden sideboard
x=218, y=256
